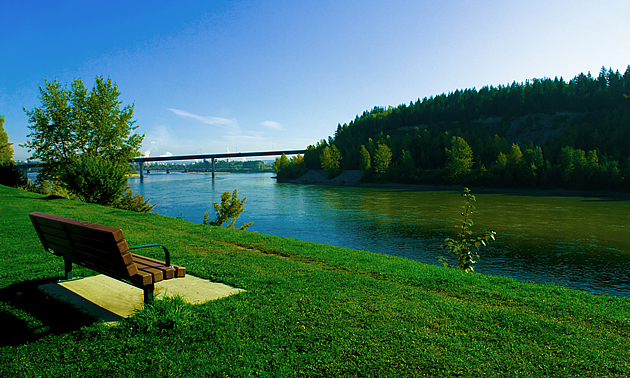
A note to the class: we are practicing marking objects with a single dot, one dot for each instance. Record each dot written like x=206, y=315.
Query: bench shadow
x=29, y=314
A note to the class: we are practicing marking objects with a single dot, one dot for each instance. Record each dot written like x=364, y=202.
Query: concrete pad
x=111, y=300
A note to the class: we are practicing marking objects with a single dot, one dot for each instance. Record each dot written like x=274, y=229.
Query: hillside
x=541, y=133
x=537, y=128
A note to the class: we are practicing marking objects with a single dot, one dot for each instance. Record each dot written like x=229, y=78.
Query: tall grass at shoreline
x=308, y=310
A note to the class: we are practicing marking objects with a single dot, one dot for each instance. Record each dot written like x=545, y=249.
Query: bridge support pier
x=141, y=171
x=213, y=159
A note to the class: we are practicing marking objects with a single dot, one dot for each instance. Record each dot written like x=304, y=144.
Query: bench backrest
x=94, y=246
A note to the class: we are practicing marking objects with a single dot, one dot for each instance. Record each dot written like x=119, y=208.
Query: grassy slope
x=309, y=309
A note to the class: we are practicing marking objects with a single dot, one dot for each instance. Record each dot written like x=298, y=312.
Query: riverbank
x=355, y=177
x=309, y=309
x=319, y=177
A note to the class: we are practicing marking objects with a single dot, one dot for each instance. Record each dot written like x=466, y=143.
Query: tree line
x=542, y=133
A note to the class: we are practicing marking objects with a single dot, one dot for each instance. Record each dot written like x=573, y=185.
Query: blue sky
x=213, y=76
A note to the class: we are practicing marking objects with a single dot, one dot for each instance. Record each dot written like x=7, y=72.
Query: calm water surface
x=577, y=242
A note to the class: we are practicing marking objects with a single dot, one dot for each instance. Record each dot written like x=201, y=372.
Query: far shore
x=191, y=172
x=354, y=179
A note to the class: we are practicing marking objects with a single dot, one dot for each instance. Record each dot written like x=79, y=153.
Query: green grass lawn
x=308, y=310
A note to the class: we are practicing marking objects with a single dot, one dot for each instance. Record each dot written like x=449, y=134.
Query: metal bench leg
x=148, y=294
x=68, y=267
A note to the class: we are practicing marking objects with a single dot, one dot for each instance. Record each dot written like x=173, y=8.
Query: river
x=578, y=242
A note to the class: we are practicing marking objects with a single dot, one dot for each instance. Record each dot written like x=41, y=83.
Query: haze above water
x=578, y=242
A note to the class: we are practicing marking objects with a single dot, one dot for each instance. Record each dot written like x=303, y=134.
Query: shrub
x=94, y=179
x=134, y=203
x=462, y=245
x=51, y=188
x=230, y=209
x=11, y=175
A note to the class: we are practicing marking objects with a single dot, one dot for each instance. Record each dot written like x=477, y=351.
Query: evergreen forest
x=543, y=133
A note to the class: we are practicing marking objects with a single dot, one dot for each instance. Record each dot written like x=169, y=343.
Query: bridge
x=213, y=157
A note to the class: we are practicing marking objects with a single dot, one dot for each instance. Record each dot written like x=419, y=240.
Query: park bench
x=103, y=249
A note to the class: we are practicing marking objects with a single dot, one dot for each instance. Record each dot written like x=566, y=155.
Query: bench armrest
x=168, y=255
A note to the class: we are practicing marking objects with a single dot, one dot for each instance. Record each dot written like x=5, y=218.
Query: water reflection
x=576, y=242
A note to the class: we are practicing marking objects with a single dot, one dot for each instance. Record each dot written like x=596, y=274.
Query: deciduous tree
x=72, y=122
x=366, y=163
x=459, y=159
x=330, y=158
x=533, y=161
x=6, y=151
x=382, y=159
x=297, y=166
x=281, y=165
x=10, y=174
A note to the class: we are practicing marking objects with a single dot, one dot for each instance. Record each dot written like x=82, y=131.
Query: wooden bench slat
x=54, y=220
x=57, y=241
x=157, y=274
x=64, y=248
x=81, y=228
x=142, y=278
x=122, y=270
x=114, y=272
x=126, y=258
x=60, y=250
x=179, y=271
x=47, y=230
x=167, y=272
x=113, y=254
x=97, y=243
x=80, y=257
x=145, y=262
x=109, y=245
x=56, y=238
